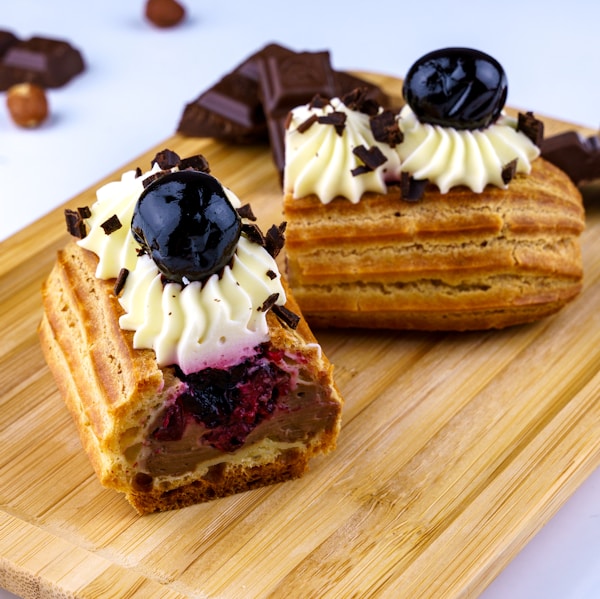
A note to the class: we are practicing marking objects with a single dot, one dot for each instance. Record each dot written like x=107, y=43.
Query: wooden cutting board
x=455, y=450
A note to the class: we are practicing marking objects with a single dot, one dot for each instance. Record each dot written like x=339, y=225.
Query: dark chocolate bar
x=43, y=61
x=250, y=104
x=576, y=155
x=231, y=110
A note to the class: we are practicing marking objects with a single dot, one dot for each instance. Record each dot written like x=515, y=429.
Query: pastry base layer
x=113, y=391
x=454, y=261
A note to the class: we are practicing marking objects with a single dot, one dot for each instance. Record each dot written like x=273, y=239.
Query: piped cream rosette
x=214, y=323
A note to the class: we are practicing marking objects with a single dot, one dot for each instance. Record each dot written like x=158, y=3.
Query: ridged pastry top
x=320, y=159
x=213, y=323
x=450, y=157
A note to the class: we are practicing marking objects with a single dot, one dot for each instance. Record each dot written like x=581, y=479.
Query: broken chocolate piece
x=166, y=159
x=112, y=224
x=287, y=81
x=196, y=163
x=335, y=118
x=509, y=171
x=291, y=319
x=269, y=302
x=84, y=212
x=305, y=126
x=412, y=189
x=43, y=61
x=533, y=128
x=575, y=154
x=120, y=282
x=232, y=110
x=245, y=211
x=372, y=157
x=385, y=129
x=253, y=233
x=275, y=238
x=75, y=223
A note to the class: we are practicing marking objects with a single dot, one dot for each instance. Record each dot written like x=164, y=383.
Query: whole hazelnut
x=27, y=104
x=164, y=13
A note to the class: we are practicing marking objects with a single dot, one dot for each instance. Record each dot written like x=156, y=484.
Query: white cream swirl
x=449, y=157
x=215, y=323
x=320, y=161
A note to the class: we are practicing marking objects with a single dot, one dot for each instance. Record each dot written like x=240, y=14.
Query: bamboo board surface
x=455, y=450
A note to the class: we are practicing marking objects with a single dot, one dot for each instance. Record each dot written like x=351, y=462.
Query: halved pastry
x=181, y=355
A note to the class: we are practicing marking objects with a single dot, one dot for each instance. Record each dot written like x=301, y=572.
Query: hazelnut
x=164, y=13
x=27, y=104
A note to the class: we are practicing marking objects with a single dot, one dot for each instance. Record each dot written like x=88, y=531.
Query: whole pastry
x=442, y=216
x=183, y=358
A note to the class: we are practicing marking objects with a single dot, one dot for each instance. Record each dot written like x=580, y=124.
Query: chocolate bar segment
x=231, y=110
x=574, y=154
x=250, y=104
x=46, y=62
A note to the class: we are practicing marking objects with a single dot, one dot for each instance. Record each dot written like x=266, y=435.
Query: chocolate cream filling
x=262, y=402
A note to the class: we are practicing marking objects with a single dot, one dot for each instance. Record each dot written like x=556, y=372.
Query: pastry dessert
x=179, y=351
x=441, y=216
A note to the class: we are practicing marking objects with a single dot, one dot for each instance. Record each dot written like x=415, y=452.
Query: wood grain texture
x=455, y=449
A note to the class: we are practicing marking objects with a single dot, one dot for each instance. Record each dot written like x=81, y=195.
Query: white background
x=139, y=78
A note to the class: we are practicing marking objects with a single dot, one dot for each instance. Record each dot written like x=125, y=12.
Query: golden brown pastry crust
x=453, y=261
x=109, y=387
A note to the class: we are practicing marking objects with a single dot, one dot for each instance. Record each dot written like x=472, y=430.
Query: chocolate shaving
x=166, y=159
x=75, y=223
x=335, y=118
x=372, y=157
x=286, y=316
x=84, y=211
x=385, y=129
x=509, y=171
x=305, y=125
x=245, y=211
x=195, y=163
x=253, y=233
x=112, y=224
x=120, y=282
x=153, y=177
x=318, y=101
x=271, y=274
x=275, y=239
x=269, y=302
x=361, y=169
x=138, y=172
x=412, y=189
x=530, y=126
x=358, y=99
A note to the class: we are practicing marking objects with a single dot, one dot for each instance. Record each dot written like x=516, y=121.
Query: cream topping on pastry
x=214, y=323
x=320, y=161
x=449, y=157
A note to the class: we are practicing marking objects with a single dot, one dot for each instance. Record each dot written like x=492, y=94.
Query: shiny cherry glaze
x=185, y=222
x=456, y=87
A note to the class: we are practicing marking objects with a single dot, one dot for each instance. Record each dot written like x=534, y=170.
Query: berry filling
x=229, y=404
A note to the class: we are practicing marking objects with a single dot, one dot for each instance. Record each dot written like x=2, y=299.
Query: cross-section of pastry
x=439, y=217
x=181, y=355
